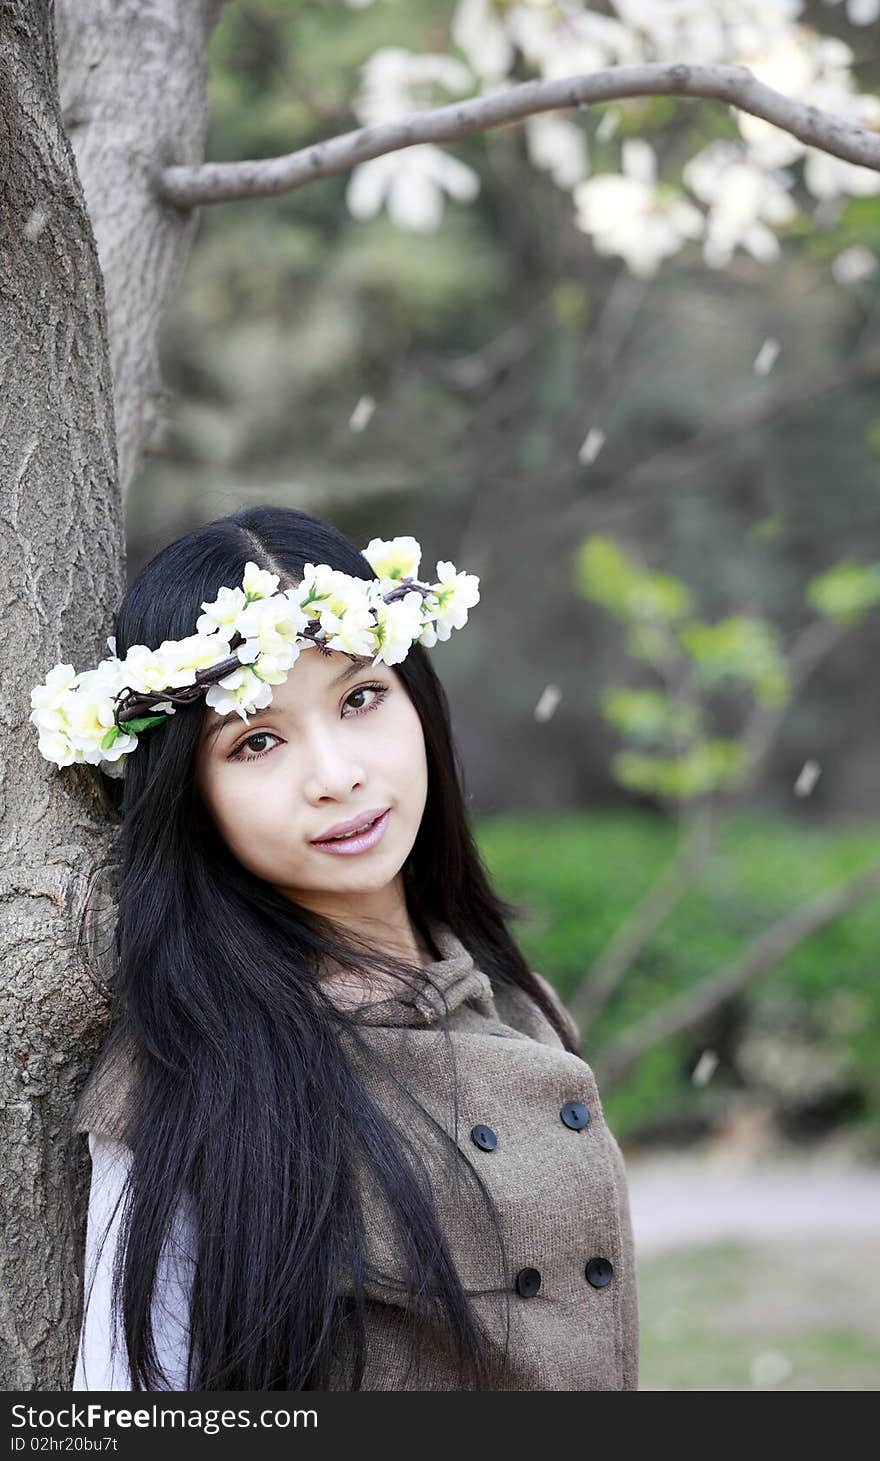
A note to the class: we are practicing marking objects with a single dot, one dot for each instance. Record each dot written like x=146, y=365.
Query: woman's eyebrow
x=346, y=674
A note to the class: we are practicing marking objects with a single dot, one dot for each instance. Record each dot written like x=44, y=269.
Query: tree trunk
x=135, y=101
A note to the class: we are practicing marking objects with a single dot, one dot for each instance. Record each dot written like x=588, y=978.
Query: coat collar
x=448, y=982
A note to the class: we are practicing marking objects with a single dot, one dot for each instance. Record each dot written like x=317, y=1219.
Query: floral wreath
x=245, y=642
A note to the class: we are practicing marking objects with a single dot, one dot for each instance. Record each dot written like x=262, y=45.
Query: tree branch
x=759, y=736
x=666, y=468
x=617, y=957
x=221, y=182
x=688, y=1008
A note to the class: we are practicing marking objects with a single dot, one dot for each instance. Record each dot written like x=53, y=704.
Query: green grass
x=708, y=1314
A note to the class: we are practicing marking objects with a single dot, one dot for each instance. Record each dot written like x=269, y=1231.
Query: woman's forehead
x=312, y=672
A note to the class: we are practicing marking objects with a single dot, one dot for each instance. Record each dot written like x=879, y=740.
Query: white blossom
x=398, y=626
x=743, y=199
x=270, y=628
x=566, y=39
x=222, y=613
x=479, y=32
x=394, y=558
x=558, y=146
x=451, y=597
x=74, y=712
x=853, y=263
x=411, y=183
x=558, y=38
x=241, y=692
x=395, y=82
x=631, y=216
x=862, y=12
x=258, y=583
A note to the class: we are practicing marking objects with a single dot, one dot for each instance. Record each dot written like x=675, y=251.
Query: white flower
x=73, y=714
x=394, y=558
x=812, y=69
x=147, y=670
x=258, y=583
x=327, y=590
x=631, y=216
x=743, y=198
x=174, y=663
x=862, y=12
x=412, y=182
x=853, y=263
x=47, y=699
x=451, y=597
x=90, y=713
x=398, y=625
x=354, y=631
x=478, y=31
x=50, y=717
x=565, y=40
x=344, y=606
x=270, y=628
x=242, y=691
x=395, y=82
x=110, y=673
x=222, y=613
x=559, y=146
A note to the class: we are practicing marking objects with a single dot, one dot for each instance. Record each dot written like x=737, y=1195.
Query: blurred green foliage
x=695, y=658
x=846, y=592
x=578, y=877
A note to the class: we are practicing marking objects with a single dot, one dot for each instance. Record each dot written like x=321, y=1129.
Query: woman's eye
x=257, y=736
x=379, y=693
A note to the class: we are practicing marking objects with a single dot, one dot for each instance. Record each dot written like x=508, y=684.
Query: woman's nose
x=333, y=769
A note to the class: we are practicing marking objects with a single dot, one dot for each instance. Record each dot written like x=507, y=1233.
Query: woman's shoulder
x=558, y=1004
x=520, y=1010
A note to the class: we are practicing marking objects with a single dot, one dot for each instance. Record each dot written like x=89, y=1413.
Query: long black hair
x=214, y=997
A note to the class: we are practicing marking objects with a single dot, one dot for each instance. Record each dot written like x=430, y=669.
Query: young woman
x=341, y=1134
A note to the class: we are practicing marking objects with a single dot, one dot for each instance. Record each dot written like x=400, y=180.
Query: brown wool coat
x=559, y=1186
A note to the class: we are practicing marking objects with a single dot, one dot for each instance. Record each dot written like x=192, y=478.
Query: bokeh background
x=666, y=701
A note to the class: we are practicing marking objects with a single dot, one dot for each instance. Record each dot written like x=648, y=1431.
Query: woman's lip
x=360, y=843
x=351, y=824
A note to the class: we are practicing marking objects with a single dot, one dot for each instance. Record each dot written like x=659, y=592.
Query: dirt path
x=678, y=1200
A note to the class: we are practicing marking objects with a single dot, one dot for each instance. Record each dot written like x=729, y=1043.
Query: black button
x=599, y=1271
x=484, y=1137
x=575, y=1114
x=528, y=1281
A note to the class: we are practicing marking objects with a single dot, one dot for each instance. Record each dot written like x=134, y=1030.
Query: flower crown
x=245, y=642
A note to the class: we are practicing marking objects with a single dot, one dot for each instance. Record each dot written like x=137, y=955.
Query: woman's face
x=340, y=739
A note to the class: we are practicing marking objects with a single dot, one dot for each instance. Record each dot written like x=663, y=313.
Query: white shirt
x=101, y=1364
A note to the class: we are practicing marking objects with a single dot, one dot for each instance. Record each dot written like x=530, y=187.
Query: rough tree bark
x=133, y=101
x=133, y=89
